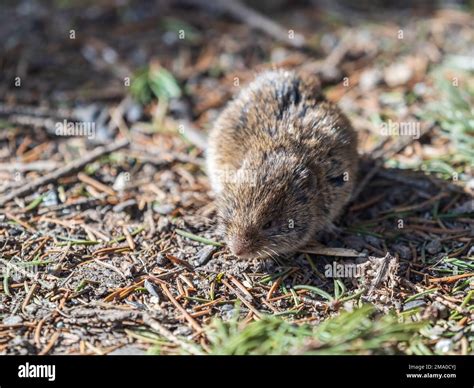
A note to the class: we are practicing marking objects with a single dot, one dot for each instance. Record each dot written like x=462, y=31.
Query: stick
x=33, y=166
x=50, y=344
x=164, y=332
x=95, y=184
x=327, y=251
x=257, y=313
x=188, y=317
x=252, y=18
x=450, y=279
x=66, y=170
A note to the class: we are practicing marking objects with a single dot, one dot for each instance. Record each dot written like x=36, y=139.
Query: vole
x=282, y=162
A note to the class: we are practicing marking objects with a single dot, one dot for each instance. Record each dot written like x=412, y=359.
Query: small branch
x=186, y=315
x=164, y=332
x=39, y=165
x=319, y=249
x=70, y=168
x=252, y=18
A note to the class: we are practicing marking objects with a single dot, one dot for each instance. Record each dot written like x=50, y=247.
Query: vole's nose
x=239, y=246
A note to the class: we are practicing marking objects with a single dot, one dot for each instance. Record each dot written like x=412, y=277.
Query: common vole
x=282, y=162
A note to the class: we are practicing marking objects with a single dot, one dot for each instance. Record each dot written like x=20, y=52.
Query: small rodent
x=282, y=163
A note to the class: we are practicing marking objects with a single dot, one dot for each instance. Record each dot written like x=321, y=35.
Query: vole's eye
x=268, y=225
x=337, y=181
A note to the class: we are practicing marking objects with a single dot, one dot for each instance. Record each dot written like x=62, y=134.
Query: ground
x=108, y=238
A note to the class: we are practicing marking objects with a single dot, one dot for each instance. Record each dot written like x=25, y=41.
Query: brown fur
x=279, y=154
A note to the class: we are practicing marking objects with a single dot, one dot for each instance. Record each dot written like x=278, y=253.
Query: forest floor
x=108, y=242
